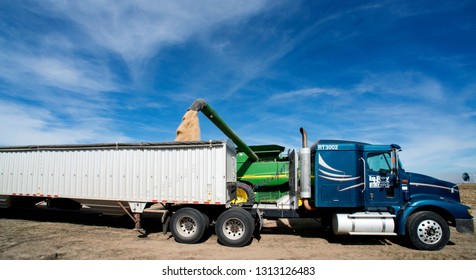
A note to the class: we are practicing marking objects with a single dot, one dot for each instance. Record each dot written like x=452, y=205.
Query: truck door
x=382, y=186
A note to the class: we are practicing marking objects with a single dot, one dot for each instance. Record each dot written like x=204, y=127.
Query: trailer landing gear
x=136, y=208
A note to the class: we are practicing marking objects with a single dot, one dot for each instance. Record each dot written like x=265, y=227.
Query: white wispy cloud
x=66, y=73
x=305, y=93
x=29, y=125
x=140, y=29
x=62, y=66
x=402, y=84
x=417, y=111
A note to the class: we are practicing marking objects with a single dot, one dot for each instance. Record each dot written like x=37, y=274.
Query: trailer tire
x=187, y=225
x=428, y=231
x=206, y=221
x=235, y=227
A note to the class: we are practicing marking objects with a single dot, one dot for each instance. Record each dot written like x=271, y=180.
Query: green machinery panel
x=268, y=176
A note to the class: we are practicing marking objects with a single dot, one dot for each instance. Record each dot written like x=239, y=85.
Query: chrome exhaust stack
x=305, y=178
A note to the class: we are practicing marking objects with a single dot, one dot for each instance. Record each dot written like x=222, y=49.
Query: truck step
x=371, y=215
x=373, y=233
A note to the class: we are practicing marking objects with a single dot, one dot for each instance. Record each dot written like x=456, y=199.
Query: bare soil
x=40, y=233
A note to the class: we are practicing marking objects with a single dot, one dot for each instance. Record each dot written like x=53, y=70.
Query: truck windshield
x=400, y=165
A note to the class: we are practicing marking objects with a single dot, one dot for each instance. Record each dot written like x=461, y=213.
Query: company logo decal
x=378, y=182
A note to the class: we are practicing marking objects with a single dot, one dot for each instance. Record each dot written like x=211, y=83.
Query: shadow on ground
x=151, y=223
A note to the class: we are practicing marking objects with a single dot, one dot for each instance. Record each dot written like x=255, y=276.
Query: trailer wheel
x=187, y=225
x=235, y=227
x=244, y=194
x=428, y=231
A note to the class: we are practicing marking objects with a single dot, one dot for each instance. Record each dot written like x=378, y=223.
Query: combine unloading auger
x=189, y=129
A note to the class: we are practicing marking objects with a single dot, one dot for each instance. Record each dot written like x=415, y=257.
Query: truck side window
x=379, y=163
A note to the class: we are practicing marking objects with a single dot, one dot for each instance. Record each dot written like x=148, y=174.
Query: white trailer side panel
x=172, y=172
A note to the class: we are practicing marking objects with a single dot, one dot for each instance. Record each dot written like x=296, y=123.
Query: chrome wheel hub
x=429, y=232
x=233, y=229
x=187, y=226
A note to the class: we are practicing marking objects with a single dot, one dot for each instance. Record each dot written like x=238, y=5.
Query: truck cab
x=354, y=174
x=368, y=192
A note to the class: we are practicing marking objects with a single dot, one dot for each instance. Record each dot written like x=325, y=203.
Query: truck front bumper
x=465, y=225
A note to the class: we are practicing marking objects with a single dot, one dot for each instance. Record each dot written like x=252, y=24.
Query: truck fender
x=447, y=209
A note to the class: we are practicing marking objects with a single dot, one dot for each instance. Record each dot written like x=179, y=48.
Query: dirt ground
x=44, y=234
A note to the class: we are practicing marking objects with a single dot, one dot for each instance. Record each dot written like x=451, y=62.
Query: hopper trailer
x=355, y=188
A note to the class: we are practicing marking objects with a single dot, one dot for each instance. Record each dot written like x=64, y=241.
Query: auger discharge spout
x=212, y=115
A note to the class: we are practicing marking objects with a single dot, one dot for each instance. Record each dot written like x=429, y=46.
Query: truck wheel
x=187, y=225
x=235, y=227
x=244, y=194
x=428, y=231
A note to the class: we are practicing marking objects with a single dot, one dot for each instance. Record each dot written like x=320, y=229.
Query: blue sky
x=126, y=71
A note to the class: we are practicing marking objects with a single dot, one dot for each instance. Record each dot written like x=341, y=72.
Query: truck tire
x=235, y=227
x=187, y=225
x=428, y=231
x=244, y=194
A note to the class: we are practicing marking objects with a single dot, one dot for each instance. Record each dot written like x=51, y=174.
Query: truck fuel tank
x=364, y=223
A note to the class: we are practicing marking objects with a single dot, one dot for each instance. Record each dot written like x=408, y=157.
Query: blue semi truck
x=363, y=189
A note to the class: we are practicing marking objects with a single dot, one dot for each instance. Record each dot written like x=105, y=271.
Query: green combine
x=267, y=177
x=262, y=171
